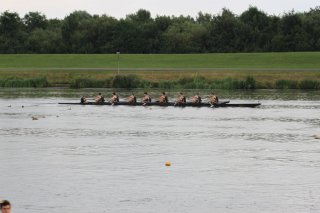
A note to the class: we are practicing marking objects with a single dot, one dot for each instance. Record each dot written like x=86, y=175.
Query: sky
x=120, y=8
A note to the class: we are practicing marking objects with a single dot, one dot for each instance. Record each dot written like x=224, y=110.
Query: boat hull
x=221, y=104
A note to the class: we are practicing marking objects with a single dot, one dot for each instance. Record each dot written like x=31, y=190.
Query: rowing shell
x=220, y=104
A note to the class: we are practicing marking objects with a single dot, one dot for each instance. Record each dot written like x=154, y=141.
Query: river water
x=112, y=158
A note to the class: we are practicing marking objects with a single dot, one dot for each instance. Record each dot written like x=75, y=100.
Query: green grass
x=268, y=70
x=296, y=60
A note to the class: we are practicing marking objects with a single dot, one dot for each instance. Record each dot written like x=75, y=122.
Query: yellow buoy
x=168, y=163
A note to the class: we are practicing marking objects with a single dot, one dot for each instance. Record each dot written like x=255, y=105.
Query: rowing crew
x=181, y=100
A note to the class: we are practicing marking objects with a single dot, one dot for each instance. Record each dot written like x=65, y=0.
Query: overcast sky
x=120, y=8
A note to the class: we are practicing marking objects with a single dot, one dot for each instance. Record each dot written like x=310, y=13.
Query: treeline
x=81, y=32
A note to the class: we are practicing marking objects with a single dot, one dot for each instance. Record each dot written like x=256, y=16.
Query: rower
x=132, y=99
x=163, y=98
x=181, y=99
x=83, y=100
x=99, y=98
x=145, y=99
x=114, y=98
x=213, y=99
x=196, y=99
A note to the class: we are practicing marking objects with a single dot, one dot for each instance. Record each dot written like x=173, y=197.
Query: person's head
x=181, y=93
x=113, y=93
x=5, y=206
x=163, y=93
x=145, y=93
x=99, y=93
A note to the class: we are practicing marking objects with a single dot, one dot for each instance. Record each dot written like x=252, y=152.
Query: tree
x=224, y=32
x=101, y=33
x=256, y=24
x=45, y=41
x=292, y=36
x=34, y=20
x=81, y=32
x=185, y=37
x=136, y=33
x=311, y=25
x=12, y=33
x=141, y=16
x=75, y=31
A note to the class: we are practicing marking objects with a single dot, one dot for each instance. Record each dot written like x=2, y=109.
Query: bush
x=249, y=83
x=126, y=81
x=89, y=83
x=310, y=84
x=198, y=82
x=166, y=85
x=145, y=84
x=287, y=84
x=19, y=82
x=229, y=83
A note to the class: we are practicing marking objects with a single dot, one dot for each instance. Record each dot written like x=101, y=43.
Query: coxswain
x=145, y=99
x=83, y=99
x=196, y=99
x=99, y=98
x=213, y=99
x=114, y=98
x=163, y=98
x=132, y=99
x=181, y=99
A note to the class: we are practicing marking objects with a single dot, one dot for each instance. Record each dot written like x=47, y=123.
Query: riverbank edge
x=133, y=81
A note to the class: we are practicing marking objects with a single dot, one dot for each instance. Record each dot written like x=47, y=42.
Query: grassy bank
x=196, y=82
x=64, y=78
x=292, y=60
x=269, y=70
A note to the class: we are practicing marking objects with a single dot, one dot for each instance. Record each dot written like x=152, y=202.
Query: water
x=111, y=159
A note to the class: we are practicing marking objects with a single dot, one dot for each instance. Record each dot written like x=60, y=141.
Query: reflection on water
x=111, y=159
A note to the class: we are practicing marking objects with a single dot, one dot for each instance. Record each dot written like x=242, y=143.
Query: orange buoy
x=168, y=163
